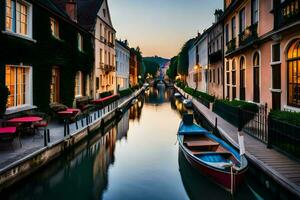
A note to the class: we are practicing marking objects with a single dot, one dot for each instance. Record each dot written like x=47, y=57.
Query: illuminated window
x=80, y=42
x=78, y=84
x=18, y=17
x=54, y=86
x=54, y=27
x=294, y=74
x=17, y=79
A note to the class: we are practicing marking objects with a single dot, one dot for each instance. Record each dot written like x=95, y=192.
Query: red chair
x=7, y=134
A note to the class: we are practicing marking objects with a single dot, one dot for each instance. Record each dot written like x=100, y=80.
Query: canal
x=136, y=157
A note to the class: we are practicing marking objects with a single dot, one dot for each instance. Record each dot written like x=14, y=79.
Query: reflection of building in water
x=123, y=127
x=158, y=95
x=104, y=150
x=136, y=109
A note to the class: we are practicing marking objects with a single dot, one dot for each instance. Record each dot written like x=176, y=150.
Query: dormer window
x=54, y=27
x=18, y=18
x=80, y=42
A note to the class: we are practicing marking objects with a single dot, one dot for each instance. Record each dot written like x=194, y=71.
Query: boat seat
x=201, y=143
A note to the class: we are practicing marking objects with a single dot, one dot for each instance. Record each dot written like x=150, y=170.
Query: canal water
x=134, y=158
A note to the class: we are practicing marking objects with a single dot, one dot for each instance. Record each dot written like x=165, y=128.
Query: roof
x=87, y=11
x=121, y=43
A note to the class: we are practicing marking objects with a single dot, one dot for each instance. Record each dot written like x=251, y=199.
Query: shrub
x=125, y=92
x=3, y=98
x=195, y=93
x=106, y=94
x=286, y=116
x=242, y=104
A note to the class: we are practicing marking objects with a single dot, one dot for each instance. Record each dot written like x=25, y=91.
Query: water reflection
x=128, y=160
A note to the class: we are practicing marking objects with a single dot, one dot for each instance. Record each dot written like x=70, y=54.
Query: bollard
x=45, y=138
x=65, y=128
x=48, y=135
x=76, y=123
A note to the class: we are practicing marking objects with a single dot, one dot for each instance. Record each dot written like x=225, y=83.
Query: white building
x=122, y=63
x=198, y=64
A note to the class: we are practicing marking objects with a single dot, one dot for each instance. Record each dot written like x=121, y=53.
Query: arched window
x=256, y=77
x=233, y=79
x=242, y=78
x=294, y=74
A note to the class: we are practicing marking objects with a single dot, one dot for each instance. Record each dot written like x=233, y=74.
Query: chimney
x=218, y=14
x=71, y=9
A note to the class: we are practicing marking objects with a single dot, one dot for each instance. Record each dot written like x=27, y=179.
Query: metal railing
x=248, y=35
x=257, y=126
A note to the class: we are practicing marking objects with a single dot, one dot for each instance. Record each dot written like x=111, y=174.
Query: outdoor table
x=25, y=120
x=20, y=120
x=70, y=112
x=99, y=101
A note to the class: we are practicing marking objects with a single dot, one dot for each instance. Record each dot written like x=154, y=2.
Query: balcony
x=110, y=44
x=249, y=35
x=288, y=12
x=103, y=40
x=231, y=46
x=106, y=68
x=215, y=56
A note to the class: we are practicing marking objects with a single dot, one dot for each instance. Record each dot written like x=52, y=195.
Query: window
x=294, y=74
x=218, y=74
x=256, y=77
x=80, y=42
x=78, y=84
x=54, y=86
x=104, y=12
x=18, y=17
x=101, y=56
x=254, y=11
x=276, y=52
x=226, y=34
x=233, y=28
x=242, y=20
x=54, y=27
x=214, y=75
x=18, y=81
x=233, y=79
x=242, y=78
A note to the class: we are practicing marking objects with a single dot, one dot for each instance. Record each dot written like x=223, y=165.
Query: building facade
x=261, y=59
x=215, y=58
x=46, y=56
x=122, y=63
x=133, y=70
x=198, y=63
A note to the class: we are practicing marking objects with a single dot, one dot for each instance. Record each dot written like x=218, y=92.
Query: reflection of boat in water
x=177, y=95
x=196, y=184
x=187, y=103
x=211, y=155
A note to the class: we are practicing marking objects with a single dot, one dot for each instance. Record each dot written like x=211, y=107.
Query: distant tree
x=151, y=67
x=172, y=71
x=183, y=57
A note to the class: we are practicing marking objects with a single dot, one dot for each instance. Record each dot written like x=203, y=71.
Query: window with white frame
x=18, y=80
x=54, y=27
x=80, y=42
x=18, y=17
x=254, y=11
x=78, y=84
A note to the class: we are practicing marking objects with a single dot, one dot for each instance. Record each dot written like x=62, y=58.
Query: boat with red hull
x=211, y=155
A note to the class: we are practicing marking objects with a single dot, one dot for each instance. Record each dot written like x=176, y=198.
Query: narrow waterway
x=135, y=158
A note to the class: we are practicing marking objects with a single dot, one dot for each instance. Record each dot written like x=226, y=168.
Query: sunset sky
x=160, y=27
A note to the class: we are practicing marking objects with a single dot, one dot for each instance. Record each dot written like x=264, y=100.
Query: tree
x=183, y=57
x=172, y=71
x=151, y=67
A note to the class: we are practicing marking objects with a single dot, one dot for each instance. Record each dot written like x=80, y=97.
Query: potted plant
x=3, y=98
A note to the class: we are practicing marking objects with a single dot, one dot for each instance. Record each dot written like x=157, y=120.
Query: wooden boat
x=211, y=155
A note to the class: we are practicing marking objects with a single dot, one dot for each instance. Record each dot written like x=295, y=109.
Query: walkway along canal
x=134, y=158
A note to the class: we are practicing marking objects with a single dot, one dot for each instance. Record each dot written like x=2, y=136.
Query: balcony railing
x=231, y=45
x=110, y=44
x=288, y=12
x=248, y=35
x=107, y=68
x=103, y=39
